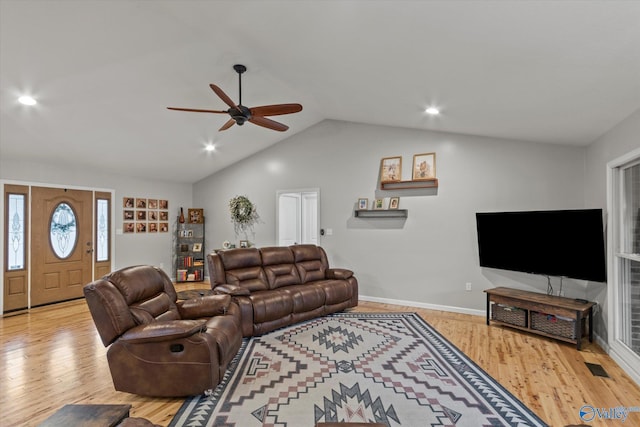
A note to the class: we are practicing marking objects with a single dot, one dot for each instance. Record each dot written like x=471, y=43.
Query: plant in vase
x=243, y=214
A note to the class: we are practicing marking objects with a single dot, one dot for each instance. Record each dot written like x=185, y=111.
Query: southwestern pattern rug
x=393, y=369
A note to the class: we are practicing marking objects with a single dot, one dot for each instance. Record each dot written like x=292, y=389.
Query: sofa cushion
x=310, y=271
x=138, y=283
x=336, y=291
x=251, y=278
x=270, y=305
x=305, y=298
x=311, y=262
x=240, y=258
x=244, y=268
x=158, y=307
x=278, y=266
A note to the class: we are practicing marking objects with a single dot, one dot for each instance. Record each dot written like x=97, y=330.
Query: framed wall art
x=147, y=214
x=394, y=203
x=391, y=169
x=378, y=204
x=363, y=204
x=424, y=166
x=196, y=216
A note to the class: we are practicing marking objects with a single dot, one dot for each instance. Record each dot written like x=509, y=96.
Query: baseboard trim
x=424, y=305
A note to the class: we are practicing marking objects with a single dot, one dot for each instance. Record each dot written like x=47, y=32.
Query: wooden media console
x=555, y=317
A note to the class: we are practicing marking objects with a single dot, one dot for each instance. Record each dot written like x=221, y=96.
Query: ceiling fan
x=240, y=114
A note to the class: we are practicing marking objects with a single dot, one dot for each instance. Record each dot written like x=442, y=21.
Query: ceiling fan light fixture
x=432, y=111
x=27, y=100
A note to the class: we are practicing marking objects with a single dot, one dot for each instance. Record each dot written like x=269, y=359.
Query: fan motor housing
x=240, y=114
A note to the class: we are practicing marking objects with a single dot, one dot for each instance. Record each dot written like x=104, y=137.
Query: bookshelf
x=190, y=252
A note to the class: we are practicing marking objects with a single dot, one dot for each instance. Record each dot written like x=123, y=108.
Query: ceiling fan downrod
x=239, y=69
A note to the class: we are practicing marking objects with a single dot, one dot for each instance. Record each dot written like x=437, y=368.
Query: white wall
x=130, y=249
x=429, y=258
x=622, y=139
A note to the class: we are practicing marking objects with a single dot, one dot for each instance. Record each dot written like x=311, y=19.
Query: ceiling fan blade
x=196, y=110
x=223, y=96
x=268, y=123
x=227, y=125
x=275, y=110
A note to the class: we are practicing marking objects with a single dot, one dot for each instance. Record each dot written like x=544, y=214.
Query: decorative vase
x=181, y=219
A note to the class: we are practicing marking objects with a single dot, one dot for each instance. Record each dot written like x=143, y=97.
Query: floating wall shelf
x=382, y=213
x=404, y=185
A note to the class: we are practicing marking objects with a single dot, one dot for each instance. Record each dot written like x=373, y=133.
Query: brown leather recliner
x=157, y=346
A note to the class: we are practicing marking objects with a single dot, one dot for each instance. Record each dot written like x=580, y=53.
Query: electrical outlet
x=468, y=286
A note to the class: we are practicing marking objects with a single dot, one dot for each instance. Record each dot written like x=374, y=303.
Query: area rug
x=390, y=368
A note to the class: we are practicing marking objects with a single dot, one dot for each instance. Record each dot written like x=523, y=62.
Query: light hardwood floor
x=52, y=356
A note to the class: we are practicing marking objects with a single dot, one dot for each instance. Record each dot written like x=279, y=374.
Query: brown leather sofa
x=159, y=346
x=280, y=286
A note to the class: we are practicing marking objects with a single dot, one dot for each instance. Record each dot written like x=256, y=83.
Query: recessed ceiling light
x=27, y=100
x=210, y=147
x=432, y=111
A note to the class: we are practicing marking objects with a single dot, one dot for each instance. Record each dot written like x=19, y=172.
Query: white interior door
x=298, y=212
x=288, y=219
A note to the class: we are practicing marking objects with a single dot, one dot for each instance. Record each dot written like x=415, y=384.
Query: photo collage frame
x=144, y=215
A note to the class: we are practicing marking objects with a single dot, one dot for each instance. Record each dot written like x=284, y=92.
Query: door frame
x=30, y=184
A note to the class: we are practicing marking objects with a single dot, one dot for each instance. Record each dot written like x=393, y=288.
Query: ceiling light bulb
x=27, y=100
x=433, y=111
x=210, y=147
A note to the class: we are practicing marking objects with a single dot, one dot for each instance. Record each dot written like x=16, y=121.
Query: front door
x=61, y=242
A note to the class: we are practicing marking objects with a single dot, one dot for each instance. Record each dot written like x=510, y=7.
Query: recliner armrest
x=206, y=306
x=163, y=331
x=338, y=273
x=233, y=290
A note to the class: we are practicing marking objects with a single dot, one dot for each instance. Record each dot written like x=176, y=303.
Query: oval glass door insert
x=63, y=234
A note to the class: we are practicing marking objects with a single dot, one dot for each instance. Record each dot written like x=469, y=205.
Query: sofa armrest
x=163, y=331
x=338, y=273
x=233, y=290
x=206, y=306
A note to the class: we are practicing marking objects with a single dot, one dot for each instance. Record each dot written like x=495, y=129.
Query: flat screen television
x=565, y=243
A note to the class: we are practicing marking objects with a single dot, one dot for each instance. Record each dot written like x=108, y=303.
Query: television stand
x=551, y=316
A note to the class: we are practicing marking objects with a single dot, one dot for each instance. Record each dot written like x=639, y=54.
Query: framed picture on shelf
x=424, y=167
x=196, y=216
x=378, y=204
x=394, y=202
x=244, y=243
x=184, y=248
x=391, y=169
x=363, y=204
x=197, y=247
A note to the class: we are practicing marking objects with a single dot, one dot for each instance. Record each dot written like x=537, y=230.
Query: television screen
x=567, y=243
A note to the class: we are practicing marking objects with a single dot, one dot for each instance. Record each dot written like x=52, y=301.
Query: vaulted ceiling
x=104, y=72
